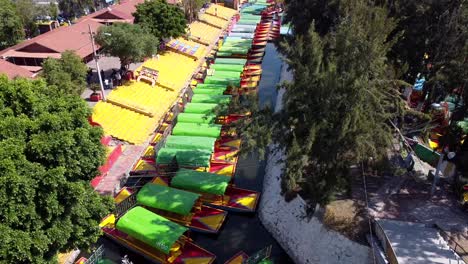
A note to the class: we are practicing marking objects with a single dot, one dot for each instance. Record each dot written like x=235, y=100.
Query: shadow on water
x=240, y=232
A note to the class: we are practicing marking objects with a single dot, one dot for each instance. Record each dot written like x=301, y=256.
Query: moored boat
x=154, y=237
x=179, y=206
x=215, y=189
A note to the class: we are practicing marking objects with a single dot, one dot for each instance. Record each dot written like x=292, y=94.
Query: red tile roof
x=74, y=37
x=12, y=70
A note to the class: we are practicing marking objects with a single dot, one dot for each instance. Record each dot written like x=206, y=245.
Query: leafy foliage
x=75, y=8
x=161, y=19
x=191, y=8
x=11, y=28
x=336, y=110
x=48, y=154
x=318, y=14
x=128, y=42
x=68, y=73
x=28, y=11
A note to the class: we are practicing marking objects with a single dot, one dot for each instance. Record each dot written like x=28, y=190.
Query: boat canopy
x=196, y=118
x=230, y=61
x=199, y=108
x=198, y=181
x=190, y=142
x=167, y=198
x=209, y=91
x=199, y=130
x=184, y=157
x=208, y=98
x=211, y=86
x=227, y=67
x=150, y=228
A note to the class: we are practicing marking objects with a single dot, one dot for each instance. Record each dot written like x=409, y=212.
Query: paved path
x=415, y=243
x=111, y=182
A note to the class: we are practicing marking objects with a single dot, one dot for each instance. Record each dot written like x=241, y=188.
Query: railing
x=454, y=245
x=386, y=245
x=96, y=256
x=125, y=205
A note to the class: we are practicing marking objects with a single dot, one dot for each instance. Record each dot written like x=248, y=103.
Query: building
x=13, y=71
x=30, y=53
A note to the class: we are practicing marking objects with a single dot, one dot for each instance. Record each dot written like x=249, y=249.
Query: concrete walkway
x=111, y=182
x=415, y=243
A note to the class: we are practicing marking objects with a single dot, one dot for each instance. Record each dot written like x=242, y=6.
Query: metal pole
x=97, y=63
x=436, y=174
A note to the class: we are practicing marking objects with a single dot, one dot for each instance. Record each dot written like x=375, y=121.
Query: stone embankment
x=305, y=239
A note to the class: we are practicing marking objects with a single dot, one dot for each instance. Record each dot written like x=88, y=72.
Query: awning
x=150, y=228
x=166, y=198
x=198, y=181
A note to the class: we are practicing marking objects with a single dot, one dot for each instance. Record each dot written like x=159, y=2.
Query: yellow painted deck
x=155, y=101
x=166, y=65
x=123, y=123
x=203, y=32
x=221, y=11
x=213, y=20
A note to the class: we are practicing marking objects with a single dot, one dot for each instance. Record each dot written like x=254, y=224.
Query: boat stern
x=208, y=220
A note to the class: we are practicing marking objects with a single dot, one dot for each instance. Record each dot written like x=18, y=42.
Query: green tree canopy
x=68, y=73
x=163, y=20
x=28, y=11
x=128, y=42
x=48, y=154
x=75, y=8
x=336, y=110
x=191, y=8
x=11, y=28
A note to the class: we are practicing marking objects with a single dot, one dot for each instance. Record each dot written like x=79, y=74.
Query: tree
x=11, y=28
x=320, y=14
x=337, y=108
x=68, y=73
x=128, y=42
x=28, y=11
x=191, y=8
x=75, y=8
x=161, y=19
x=52, y=10
x=48, y=154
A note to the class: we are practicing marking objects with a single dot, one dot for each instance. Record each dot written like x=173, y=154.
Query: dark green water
x=240, y=232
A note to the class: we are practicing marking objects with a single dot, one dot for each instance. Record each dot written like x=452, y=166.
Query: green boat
x=198, y=130
x=190, y=142
x=181, y=207
x=184, y=157
x=199, y=108
x=208, y=98
x=214, y=188
x=153, y=236
x=196, y=118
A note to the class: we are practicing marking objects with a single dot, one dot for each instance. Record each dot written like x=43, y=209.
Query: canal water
x=240, y=232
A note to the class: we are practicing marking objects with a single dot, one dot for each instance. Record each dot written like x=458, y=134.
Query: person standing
x=118, y=78
x=103, y=75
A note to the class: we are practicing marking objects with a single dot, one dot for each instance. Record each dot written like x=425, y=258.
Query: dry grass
x=346, y=217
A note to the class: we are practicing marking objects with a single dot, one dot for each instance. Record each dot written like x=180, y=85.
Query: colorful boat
x=179, y=206
x=154, y=237
x=260, y=257
x=214, y=188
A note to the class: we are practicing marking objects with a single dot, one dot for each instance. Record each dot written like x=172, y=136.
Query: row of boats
x=184, y=180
